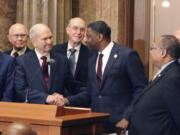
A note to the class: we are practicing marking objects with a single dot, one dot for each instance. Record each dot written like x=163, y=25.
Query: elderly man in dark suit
x=156, y=111
x=74, y=48
x=7, y=66
x=18, y=37
x=116, y=77
x=42, y=75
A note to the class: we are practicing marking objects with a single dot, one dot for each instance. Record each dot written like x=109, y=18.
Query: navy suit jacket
x=157, y=110
x=7, y=66
x=9, y=51
x=81, y=72
x=29, y=82
x=122, y=81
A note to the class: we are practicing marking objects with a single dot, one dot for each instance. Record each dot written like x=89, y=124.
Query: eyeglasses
x=20, y=35
x=156, y=48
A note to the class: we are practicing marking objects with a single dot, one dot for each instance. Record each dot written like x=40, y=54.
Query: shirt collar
x=39, y=55
x=20, y=52
x=77, y=47
x=164, y=66
x=108, y=49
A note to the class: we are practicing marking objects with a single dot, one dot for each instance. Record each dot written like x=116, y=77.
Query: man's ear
x=164, y=53
x=101, y=37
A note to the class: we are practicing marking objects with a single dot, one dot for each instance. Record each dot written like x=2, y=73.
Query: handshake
x=57, y=99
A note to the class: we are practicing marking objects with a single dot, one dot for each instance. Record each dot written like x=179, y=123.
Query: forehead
x=77, y=22
x=44, y=33
x=18, y=29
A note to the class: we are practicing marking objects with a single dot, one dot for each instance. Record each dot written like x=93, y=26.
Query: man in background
x=18, y=37
x=18, y=128
x=156, y=111
x=116, y=77
x=77, y=53
x=42, y=75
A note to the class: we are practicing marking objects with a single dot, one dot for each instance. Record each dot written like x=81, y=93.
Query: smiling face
x=18, y=36
x=76, y=30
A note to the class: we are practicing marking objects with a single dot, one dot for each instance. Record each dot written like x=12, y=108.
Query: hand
x=55, y=99
x=60, y=100
x=122, y=124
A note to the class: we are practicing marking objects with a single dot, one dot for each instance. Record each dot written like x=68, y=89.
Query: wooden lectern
x=53, y=120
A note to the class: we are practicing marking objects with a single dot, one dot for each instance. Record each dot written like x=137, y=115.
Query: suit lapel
x=82, y=55
x=52, y=70
x=93, y=70
x=36, y=67
x=64, y=49
x=112, y=58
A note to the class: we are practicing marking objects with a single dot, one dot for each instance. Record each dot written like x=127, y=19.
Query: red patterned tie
x=44, y=69
x=15, y=54
x=99, y=68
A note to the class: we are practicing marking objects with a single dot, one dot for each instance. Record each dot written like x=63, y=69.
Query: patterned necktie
x=99, y=68
x=72, y=60
x=15, y=54
x=44, y=69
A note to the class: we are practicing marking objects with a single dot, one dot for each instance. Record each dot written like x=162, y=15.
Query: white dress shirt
x=106, y=53
x=41, y=61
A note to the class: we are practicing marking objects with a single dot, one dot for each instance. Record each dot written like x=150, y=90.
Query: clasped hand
x=56, y=99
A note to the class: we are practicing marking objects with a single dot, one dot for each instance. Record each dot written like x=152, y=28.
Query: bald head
x=77, y=20
x=38, y=29
x=18, y=128
x=177, y=34
x=18, y=27
x=18, y=36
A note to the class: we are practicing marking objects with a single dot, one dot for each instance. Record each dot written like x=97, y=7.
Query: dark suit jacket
x=7, y=66
x=157, y=110
x=81, y=72
x=9, y=51
x=29, y=80
x=122, y=81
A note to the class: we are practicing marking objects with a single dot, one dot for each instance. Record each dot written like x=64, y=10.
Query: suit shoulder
x=8, y=52
x=60, y=46
x=5, y=56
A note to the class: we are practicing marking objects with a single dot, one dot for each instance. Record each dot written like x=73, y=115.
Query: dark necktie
x=72, y=60
x=44, y=69
x=15, y=54
x=99, y=68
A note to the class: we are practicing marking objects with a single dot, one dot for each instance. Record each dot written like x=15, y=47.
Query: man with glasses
x=156, y=110
x=18, y=37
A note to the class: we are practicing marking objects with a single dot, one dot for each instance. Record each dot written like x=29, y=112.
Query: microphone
x=49, y=62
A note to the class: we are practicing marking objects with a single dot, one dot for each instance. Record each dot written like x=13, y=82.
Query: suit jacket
x=7, y=66
x=29, y=82
x=157, y=109
x=9, y=51
x=81, y=72
x=122, y=81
